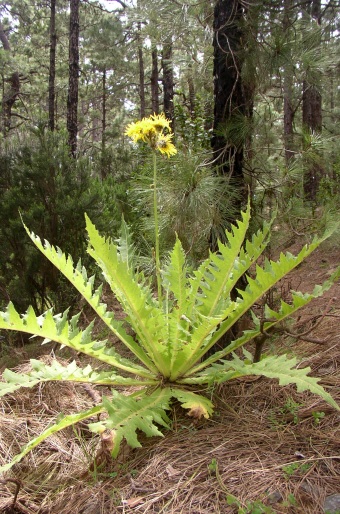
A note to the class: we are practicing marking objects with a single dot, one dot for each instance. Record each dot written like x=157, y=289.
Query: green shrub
x=51, y=191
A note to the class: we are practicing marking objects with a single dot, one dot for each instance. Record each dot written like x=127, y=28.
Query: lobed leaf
x=143, y=313
x=220, y=272
x=42, y=372
x=264, y=280
x=214, y=280
x=127, y=414
x=199, y=405
x=286, y=310
x=126, y=246
x=57, y=328
x=85, y=285
x=175, y=284
x=60, y=424
x=278, y=367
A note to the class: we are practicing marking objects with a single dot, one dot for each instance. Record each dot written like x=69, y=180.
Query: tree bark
x=51, y=78
x=154, y=82
x=288, y=109
x=12, y=92
x=103, y=110
x=232, y=102
x=312, y=119
x=229, y=97
x=311, y=107
x=103, y=168
x=72, y=99
x=168, y=82
x=141, y=74
x=192, y=93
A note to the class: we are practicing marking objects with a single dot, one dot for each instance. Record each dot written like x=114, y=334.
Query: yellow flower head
x=155, y=131
x=141, y=130
x=165, y=145
x=160, y=122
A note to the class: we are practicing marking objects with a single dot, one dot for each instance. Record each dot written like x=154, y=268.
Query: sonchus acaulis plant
x=175, y=325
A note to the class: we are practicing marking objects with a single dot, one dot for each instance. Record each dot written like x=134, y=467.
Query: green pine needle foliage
x=173, y=334
x=188, y=195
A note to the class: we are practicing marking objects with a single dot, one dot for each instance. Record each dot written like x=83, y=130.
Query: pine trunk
x=72, y=99
x=51, y=78
x=229, y=98
x=288, y=109
x=154, y=82
x=11, y=93
x=312, y=120
x=141, y=74
x=103, y=110
x=168, y=82
x=192, y=94
x=231, y=102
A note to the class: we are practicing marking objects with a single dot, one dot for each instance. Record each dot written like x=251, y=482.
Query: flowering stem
x=155, y=212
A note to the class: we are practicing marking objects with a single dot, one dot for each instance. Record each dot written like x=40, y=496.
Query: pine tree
x=312, y=112
x=11, y=92
x=72, y=99
x=51, y=82
x=229, y=95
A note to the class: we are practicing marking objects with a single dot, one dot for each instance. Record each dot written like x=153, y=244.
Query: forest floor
x=266, y=449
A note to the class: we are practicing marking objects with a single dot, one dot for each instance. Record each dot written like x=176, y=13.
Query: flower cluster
x=155, y=131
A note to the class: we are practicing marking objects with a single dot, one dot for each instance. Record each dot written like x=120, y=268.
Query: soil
x=266, y=449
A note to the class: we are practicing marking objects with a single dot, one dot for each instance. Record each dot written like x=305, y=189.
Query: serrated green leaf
x=198, y=405
x=278, y=367
x=143, y=313
x=78, y=277
x=175, y=285
x=125, y=245
x=286, y=310
x=219, y=273
x=58, y=329
x=42, y=372
x=175, y=276
x=214, y=280
x=62, y=422
x=128, y=414
x=251, y=295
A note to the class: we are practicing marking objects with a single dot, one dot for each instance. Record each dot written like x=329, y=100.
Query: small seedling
x=212, y=466
x=317, y=416
x=294, y=468
x=291, y=501
x=255, y=507
x=291, y=407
